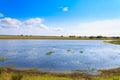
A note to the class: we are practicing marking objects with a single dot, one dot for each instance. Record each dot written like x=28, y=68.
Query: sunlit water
x=66, y=55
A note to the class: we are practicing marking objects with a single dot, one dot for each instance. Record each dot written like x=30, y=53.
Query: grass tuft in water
x=2, y=59
x=81, y=51
x=49, y=53
x=68, y=50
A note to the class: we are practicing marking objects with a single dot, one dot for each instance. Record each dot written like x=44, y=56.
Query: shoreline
x=36, y=71
x=75, y=75
x=60, y=37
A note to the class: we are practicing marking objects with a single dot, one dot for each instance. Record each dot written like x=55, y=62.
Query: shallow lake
x=60, y=55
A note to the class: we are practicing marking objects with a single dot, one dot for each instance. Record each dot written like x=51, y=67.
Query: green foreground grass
x=11, y=74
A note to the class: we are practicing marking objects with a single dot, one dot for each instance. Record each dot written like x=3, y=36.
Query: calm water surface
x=65, y=55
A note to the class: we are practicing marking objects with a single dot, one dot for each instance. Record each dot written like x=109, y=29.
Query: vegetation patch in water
x=2, y=59
x=68, y=50
x=81, y=51
x=49, y=53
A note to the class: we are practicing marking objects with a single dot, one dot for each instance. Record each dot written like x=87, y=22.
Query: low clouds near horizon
x=36, y=26
x=33, y=25
x=110, y=27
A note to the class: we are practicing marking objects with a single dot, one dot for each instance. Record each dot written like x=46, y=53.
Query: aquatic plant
x=81, y=51
x=49, y=53
x=68, y=50
x=2, y=58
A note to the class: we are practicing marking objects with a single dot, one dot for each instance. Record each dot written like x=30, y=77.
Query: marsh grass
x=68, y=50
x=2, y=69
x=113, y=42
x=2, y=59
x=17, y=77
x=45, y=77
x=81, y=51
x=49, y=53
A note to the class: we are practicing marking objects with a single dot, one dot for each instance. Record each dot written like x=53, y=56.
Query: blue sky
x=60, y=17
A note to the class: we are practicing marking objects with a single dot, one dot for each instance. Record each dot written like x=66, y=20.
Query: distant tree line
x=93, y=37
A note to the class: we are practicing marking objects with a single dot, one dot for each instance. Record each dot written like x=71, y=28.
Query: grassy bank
x=14, y=74
x=114, y=42
x=61, y=37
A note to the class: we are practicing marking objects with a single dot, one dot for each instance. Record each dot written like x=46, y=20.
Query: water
x=65, y=55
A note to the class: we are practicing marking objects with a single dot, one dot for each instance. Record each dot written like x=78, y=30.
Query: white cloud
x=1, y=15
x=29, y=26
x=103, y=27
x=29, y=23
x=10, y=23
x=104, y=23
x=65, y=9
x=33, y=21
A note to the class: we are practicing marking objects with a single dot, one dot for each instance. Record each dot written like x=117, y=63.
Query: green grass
x=2, y=69
x=49, y=53
x=113, y=42
x=2, y=59
x=14, y=76
x=107, y=78
x=17, y=77
x=45, y=77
